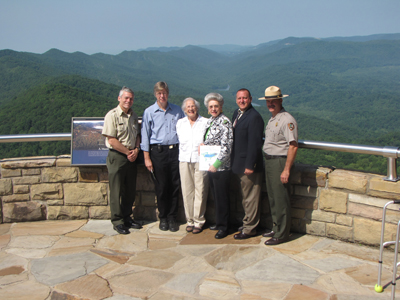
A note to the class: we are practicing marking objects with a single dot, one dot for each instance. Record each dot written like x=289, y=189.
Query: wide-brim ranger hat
x=273, y=92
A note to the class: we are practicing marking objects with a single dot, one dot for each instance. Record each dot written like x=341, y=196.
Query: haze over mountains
x=343, y=89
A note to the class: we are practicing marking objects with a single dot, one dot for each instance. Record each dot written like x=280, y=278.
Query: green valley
x=341, y=90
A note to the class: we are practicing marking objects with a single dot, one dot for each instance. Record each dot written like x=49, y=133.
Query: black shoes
x=163, y=225
x=132, y=224
x=168, y=224
x=242, y=236
x=121, y=229
x=221, y=234
x=268, y=234
x=214, y=227
x=274, y=241
x=173, y=226
x=124, y=228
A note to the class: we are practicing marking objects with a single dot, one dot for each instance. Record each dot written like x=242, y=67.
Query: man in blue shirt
x=160, y=147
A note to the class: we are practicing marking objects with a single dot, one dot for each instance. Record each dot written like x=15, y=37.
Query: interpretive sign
x=88, y=146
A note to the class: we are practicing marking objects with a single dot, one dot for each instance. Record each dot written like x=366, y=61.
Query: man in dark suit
x=247, y=160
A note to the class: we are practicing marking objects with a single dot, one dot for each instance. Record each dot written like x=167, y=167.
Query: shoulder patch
x=291, y=126
x=225, y=121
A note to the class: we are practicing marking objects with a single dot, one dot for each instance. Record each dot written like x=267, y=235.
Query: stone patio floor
x=87, y=259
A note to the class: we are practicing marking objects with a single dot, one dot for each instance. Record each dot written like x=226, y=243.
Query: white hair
x=196, y=103
x=125, y=89
x=213, y=96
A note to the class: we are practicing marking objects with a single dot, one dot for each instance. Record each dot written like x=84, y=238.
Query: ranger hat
x=273, y=92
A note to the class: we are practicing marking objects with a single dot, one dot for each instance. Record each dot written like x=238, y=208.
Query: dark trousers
x=167, y=182
x=219, y=182
x=122, y=182
x=278, y=197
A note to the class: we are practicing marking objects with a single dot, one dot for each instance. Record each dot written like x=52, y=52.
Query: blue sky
x=92, y=26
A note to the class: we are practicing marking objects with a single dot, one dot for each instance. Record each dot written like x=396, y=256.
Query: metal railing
x=37, y=137
x=392, y=153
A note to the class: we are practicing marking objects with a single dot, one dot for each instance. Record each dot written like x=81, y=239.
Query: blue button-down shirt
x=159, y=126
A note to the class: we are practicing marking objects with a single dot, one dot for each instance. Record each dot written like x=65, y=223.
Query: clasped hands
x=133, y=154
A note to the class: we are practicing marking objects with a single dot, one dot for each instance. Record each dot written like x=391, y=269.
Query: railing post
x=391, y=154
x=391, y=170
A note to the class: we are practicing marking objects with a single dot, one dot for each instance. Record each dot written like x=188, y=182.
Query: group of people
x=171, y=138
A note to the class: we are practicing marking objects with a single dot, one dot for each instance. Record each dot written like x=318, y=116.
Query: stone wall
x=338, y=204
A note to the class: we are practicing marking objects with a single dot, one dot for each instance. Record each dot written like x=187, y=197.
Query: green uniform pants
x=278, y=197
x=122, y=182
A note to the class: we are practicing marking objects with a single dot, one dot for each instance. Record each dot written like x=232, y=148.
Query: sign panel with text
x=88, y=145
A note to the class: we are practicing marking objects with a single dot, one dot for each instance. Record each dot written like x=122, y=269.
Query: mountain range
x=342, y=89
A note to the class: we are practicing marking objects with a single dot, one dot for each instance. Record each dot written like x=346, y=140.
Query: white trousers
x=194, y=185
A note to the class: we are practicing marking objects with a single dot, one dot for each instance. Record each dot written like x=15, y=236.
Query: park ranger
x=121, y=129
x=280, y=148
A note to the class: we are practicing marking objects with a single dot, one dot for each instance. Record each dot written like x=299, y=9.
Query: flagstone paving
x=79, y=259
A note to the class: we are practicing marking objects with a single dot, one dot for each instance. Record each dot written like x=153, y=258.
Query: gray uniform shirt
x=280, y=131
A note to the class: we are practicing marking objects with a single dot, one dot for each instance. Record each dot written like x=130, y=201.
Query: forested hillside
x=49, y=107
x=341, y=89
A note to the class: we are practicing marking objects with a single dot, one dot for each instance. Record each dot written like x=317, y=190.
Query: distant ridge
x=389, y=36
x=232, y=49
x=342, y=89
x=161, y=49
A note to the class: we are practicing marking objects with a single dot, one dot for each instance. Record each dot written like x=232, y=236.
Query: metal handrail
x=392, y=153
x=352, y=148
x=36, y=137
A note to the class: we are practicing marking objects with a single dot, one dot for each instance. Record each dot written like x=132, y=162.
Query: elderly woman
x=194, y=182
x=219, y=133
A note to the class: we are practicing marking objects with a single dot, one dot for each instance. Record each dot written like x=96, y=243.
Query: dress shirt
x=159, y=126
x=239, y=115
x=190, y=137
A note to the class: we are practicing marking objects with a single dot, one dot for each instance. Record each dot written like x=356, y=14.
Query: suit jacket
x=247, y=141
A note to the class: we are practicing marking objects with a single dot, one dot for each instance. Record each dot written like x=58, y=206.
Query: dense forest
x=341, y=90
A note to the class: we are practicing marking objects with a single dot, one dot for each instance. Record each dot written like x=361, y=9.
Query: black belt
x=167, y=147
x=113, y=150
x=274, y=156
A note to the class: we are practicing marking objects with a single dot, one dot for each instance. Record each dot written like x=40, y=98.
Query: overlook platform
x=87, y=259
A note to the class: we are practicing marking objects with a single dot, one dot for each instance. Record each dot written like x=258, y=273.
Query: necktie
x=237, y=117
